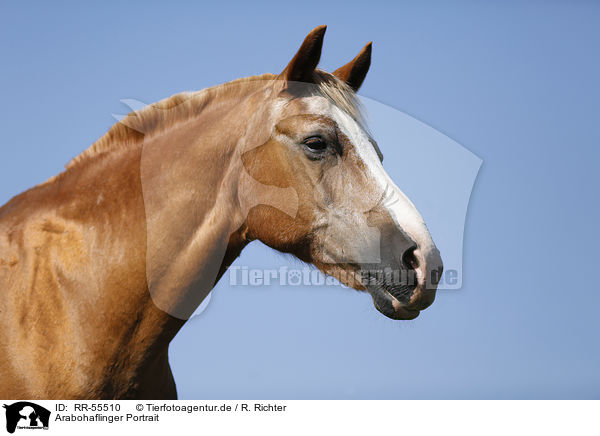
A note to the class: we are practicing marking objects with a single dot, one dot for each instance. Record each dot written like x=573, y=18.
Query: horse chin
x=389, y=306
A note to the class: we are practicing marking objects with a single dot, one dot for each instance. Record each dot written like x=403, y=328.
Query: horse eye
x=315, y=144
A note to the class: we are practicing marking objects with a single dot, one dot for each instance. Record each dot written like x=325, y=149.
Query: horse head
x=351, y=220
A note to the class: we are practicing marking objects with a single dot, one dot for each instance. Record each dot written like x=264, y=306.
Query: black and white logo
x=26, y=415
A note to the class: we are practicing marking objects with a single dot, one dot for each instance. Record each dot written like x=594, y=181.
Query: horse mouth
x=388, y=304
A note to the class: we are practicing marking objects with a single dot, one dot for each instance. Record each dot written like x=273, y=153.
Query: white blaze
x=404, y=213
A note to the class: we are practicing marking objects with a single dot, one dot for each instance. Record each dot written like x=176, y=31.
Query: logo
x=26, y=415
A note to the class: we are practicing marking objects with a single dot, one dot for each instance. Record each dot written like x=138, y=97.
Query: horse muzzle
x=402, y=293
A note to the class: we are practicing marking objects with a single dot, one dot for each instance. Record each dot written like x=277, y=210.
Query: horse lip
x=383, y=302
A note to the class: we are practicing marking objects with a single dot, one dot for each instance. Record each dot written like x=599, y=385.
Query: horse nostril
x=409, y=259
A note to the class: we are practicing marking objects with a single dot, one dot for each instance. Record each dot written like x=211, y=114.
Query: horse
x=101, y=265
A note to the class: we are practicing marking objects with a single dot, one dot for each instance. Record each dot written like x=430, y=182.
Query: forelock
x=335, y=91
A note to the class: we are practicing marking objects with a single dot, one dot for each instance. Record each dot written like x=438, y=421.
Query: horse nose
x=428, y=264
x=409, y=259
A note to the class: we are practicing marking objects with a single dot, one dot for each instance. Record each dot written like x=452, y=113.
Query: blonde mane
x=160, y=116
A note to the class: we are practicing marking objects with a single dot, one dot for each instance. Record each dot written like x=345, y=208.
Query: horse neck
x=189, y=180
x=165, y=224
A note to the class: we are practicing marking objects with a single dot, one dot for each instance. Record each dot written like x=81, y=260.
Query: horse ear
x=302, y=66
x=355, y=71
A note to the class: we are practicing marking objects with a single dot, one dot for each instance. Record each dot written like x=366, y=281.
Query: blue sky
x=515, y=83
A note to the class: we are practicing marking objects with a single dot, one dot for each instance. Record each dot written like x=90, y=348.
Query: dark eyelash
x=315, y=143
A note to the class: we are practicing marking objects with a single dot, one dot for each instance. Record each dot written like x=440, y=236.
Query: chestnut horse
x=101, y=265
